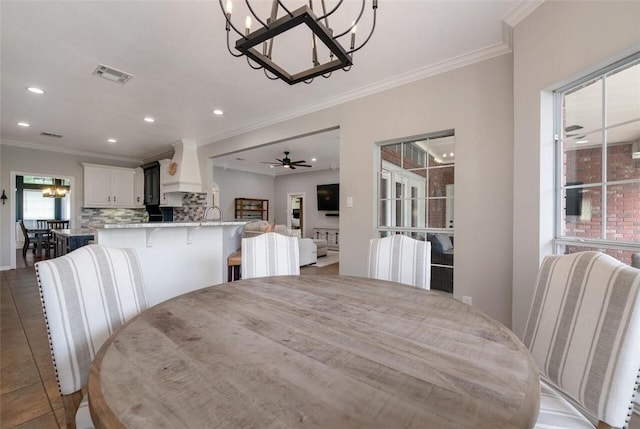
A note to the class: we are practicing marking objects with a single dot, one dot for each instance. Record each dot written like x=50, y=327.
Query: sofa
x=306, y=246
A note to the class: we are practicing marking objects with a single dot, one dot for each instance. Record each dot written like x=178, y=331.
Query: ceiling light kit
x=24, y=124
x=149, y=119
x=287, y=163
x=273, y=25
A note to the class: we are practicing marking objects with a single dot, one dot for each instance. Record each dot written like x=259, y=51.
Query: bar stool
x=233, y=266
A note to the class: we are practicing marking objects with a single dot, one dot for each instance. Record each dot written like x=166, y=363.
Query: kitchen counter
x=72, y=232
x=194, y=223
x=68, y=240
x=177, y=257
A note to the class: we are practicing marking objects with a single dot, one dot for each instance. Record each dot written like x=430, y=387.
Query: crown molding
x=520, y=12
x=450, y=64
x=36, y=146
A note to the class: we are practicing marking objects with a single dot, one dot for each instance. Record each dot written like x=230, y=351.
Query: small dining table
x=316, y=352
x=41, y=235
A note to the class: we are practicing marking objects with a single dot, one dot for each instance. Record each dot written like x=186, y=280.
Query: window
x=415, y=197
x=598, y=162
x=36, y=207
x=31, y=205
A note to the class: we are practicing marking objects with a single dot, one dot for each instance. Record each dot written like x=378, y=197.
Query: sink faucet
x=206, y=212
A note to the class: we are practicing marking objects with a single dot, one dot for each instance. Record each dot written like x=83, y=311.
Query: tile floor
x=29, y=395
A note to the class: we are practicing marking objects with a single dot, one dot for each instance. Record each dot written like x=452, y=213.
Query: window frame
x=602, y=243
x=407, y=202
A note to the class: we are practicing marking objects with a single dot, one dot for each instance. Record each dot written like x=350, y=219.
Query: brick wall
x=623, y=200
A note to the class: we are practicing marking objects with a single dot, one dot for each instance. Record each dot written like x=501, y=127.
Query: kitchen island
x=176, y=257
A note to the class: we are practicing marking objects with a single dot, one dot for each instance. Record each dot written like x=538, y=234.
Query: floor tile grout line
x=42, y=383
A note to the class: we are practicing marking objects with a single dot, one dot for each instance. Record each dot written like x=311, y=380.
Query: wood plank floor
x=29, y=395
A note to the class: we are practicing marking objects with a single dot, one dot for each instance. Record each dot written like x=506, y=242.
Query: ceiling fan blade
x=291, y=167
x=281, y=161
x=269, y=162
x=297, y=162
x=303, y=165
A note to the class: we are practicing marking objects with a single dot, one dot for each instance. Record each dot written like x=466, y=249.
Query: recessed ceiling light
x=582, y=141
x=24, y=124
x=218, y=112
x=444, y=155
x=35, y=90
x=313, y=159
x=149, y=119
x=112, y=140
x=451, y=154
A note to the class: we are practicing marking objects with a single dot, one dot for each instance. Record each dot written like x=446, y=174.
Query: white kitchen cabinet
x=138, y=188
x=106, y=186
x=168, y=199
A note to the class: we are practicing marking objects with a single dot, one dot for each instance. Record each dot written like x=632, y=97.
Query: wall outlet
x=467, y=300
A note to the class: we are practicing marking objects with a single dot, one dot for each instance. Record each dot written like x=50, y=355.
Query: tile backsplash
x=193, y=207
x=92, y=216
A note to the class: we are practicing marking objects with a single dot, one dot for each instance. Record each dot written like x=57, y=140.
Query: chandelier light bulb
x=229, y=7
x=247, y=24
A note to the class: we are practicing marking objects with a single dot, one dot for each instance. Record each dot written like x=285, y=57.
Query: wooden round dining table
x=313, y=352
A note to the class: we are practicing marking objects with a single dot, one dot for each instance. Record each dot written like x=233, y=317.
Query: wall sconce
x=3, y=197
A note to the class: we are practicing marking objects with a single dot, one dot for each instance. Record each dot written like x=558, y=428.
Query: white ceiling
x=181, y=70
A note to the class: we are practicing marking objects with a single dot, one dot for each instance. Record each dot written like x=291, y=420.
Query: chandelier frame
x=340, y=58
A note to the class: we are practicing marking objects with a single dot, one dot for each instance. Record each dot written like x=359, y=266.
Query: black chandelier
x=274, y=26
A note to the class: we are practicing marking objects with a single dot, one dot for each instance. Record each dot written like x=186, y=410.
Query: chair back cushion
x=86, y=295
x=270, y=254
x=401, y=259
x=584, y=331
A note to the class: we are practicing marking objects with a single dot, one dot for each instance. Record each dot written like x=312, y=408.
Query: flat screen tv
x=329, y=197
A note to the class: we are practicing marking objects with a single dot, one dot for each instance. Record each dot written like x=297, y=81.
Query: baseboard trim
x=5, y=268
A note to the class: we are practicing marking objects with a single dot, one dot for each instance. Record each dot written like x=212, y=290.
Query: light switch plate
x=349, y=201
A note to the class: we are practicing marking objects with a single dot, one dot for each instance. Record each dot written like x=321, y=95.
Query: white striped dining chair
x=400, y=259
x=86, y=295
x=269, y=254
x=583, y=331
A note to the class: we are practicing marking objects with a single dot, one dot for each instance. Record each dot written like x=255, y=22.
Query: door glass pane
x=414, y=156
x=583, y=165
x=391, y=157
x=439, y=178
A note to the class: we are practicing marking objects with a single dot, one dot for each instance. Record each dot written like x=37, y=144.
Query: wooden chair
x=86, y=295
x=270, y=254
x=400, y=259
x=584, y=333
x=28, y=237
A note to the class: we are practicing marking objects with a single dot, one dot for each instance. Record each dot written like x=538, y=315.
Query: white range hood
x=183, y=173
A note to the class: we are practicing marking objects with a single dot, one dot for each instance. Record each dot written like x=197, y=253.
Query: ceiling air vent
x=58, y=136
x=112, y=74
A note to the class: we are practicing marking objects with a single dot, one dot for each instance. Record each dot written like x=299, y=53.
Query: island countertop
x=177, y=257
x=193, y=223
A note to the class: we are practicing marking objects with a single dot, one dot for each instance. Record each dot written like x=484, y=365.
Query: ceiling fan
x=287, y=163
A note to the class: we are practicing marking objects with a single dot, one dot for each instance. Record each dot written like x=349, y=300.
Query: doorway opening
x=295, y=212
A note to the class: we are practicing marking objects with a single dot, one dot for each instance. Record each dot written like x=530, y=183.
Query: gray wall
x=476, y=101
x=305, y=183
x=240, y=184
x=548, y=54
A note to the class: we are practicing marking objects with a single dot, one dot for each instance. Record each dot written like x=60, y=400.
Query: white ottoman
x=321, y=246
